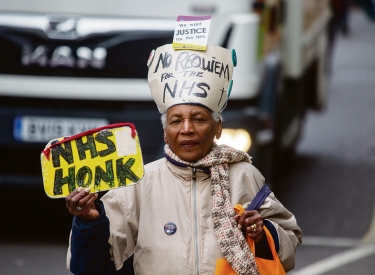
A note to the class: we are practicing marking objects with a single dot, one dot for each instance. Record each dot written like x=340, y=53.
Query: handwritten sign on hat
x=191, y=77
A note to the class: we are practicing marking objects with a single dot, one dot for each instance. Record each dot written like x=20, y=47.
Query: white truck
x=67, y=66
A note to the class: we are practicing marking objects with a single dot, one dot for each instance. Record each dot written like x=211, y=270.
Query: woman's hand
x=81, y=204
x=251, y=222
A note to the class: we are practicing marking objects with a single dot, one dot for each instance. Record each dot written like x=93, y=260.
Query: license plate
x=44, y=129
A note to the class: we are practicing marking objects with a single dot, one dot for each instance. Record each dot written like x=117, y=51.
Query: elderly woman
x=179, y=219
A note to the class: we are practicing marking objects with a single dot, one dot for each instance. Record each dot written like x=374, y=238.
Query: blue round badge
x=170, y=228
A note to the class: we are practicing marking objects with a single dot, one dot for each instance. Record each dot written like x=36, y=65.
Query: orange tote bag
x=265, y=266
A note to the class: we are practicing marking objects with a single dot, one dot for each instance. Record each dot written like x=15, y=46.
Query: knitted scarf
x=231, y=240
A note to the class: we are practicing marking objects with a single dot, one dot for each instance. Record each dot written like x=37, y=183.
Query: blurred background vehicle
x=68, y=66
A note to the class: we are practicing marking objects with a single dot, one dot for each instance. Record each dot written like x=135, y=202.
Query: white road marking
x=360, y=249
x=337, y=260
x=329, y=241
x=370, y=235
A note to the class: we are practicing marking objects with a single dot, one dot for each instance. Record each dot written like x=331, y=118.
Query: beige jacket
x=168, y=193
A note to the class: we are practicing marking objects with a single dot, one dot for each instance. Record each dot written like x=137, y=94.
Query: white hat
x=191, y=77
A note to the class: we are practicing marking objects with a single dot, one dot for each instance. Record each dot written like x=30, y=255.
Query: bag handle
x=259, y=198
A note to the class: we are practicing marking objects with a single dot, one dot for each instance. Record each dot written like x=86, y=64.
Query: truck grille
x=48, y=46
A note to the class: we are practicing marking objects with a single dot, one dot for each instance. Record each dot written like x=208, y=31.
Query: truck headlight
x=237, y=138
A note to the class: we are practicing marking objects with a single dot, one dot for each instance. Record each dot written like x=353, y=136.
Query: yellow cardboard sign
x=102, y=159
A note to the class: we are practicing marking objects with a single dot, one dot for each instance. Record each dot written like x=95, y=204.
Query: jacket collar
x=180, y=164
x=186, y=173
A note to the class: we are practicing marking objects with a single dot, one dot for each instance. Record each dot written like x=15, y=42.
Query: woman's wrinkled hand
x=81, y=204
x=251, y=222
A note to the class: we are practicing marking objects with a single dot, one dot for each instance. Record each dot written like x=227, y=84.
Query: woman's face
x=190, y=131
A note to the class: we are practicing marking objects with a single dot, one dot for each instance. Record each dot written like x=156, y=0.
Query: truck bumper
x=20, y=161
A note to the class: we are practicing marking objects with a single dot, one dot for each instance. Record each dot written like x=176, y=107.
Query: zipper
x=195, y=221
